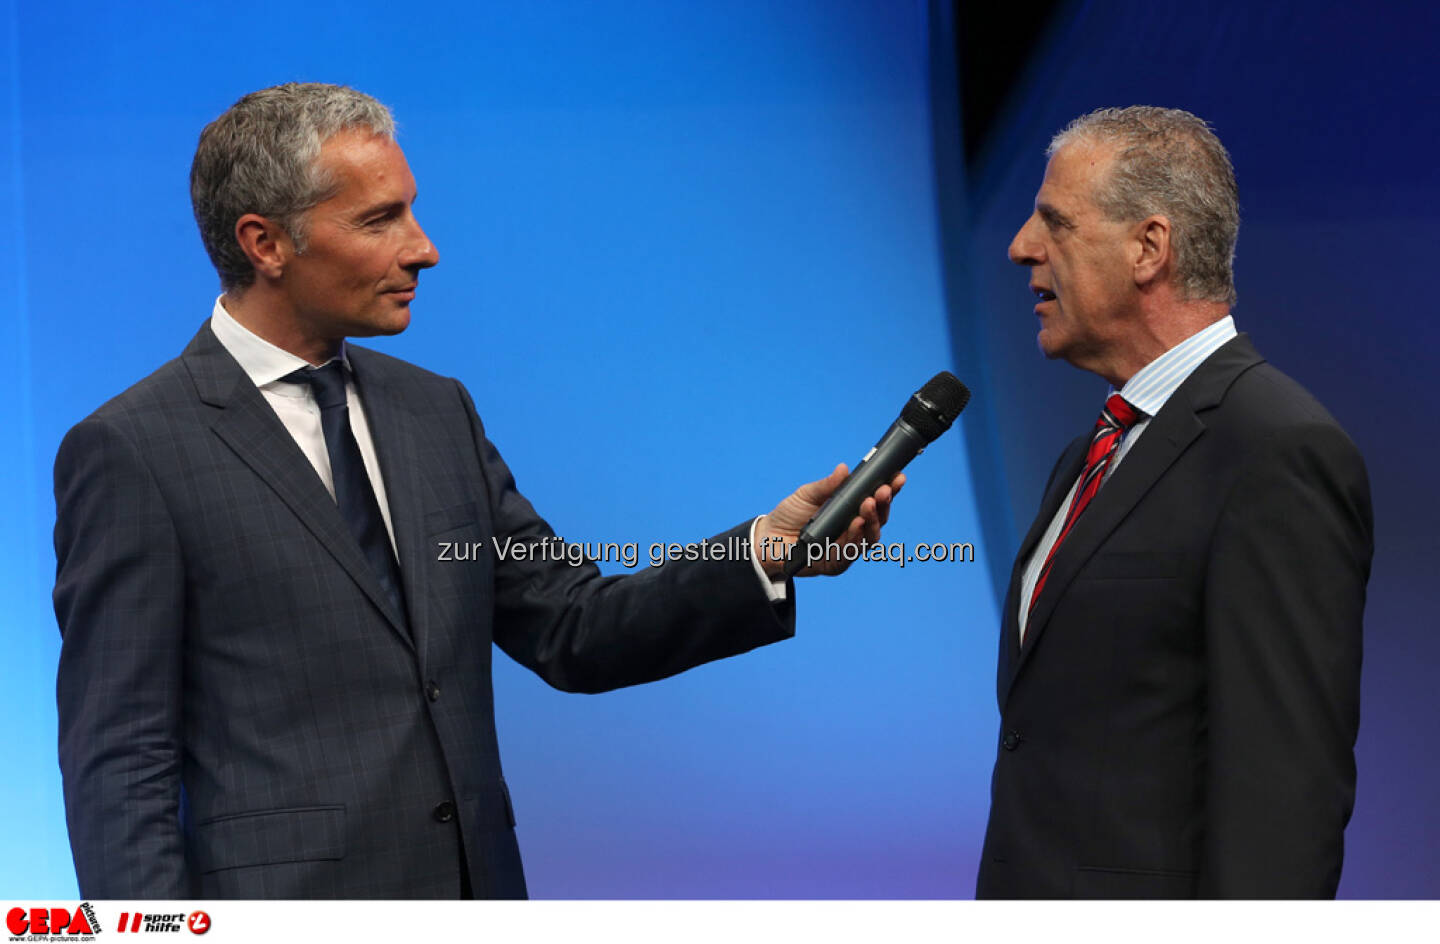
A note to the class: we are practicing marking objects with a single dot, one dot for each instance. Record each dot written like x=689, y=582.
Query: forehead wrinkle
x=365, y=184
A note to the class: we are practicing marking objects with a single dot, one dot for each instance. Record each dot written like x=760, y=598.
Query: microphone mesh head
x=935, y=405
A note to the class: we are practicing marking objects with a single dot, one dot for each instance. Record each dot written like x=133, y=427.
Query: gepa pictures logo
x=53, y=923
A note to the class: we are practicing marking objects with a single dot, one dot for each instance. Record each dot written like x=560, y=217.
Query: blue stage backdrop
x=688, y=262
x=694, y=254
x=1328, y=110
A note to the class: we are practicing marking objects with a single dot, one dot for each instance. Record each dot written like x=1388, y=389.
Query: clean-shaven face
x=364, y=248
x=1081, y=265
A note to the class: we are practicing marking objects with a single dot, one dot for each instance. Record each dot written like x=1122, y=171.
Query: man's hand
x=779, y=530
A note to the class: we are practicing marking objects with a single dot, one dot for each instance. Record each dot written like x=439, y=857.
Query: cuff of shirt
x=775, y=587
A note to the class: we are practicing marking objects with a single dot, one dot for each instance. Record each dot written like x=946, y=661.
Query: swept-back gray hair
x=1169, y=162
x=260, y=157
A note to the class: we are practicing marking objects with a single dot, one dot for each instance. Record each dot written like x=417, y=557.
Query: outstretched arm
x=581, y=631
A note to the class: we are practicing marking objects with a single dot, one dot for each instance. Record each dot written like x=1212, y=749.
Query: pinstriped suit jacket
x=242, y=714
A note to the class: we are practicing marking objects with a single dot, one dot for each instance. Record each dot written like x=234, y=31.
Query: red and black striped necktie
x=1117, y=417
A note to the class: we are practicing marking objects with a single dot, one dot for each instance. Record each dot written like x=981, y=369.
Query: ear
x=265, y=243
x=1154, y=255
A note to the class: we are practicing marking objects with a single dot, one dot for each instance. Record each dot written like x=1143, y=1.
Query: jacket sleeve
x=584, y=632
x=119, y=600
x=1284, y=598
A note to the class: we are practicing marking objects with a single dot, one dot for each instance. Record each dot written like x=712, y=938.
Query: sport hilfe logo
x=198, y=922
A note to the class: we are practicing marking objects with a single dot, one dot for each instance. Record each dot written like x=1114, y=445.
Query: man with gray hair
x=1180, y=654
x=271, y=682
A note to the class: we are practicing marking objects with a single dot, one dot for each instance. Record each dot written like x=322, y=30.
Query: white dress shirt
x=1147, y=391
x=295, y=405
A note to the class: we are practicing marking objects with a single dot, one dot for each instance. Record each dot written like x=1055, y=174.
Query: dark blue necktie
x=353, y=492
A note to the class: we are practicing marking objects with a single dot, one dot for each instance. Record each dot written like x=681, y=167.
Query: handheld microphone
x=926, y=415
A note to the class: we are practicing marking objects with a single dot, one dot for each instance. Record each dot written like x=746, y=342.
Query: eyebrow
x=389, y=206
x=1053, y=216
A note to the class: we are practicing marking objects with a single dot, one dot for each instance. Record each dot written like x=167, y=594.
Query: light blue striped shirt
x=1147, y=391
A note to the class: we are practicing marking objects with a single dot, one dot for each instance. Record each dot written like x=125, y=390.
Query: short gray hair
x=1169, y=162
x=260, y=157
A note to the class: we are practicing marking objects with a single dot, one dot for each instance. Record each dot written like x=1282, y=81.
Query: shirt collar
x=264, y=363
x=1153, y=384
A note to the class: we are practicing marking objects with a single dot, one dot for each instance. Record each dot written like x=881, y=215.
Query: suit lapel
x=247, y=424
x=392, y=428
x=1168, y=435
x=1063, y=476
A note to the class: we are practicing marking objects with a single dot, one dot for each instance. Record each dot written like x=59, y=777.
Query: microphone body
x=928, y=414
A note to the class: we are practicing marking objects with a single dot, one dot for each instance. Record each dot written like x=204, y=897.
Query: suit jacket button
x=1011, y=740
x=432, y=691
x=443, y=812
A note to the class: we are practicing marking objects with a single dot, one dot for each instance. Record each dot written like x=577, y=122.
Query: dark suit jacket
x=222, y=631
x=1182, y=717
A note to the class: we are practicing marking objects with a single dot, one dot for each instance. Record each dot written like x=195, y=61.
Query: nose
x=1025, y=249
x=419, y=252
